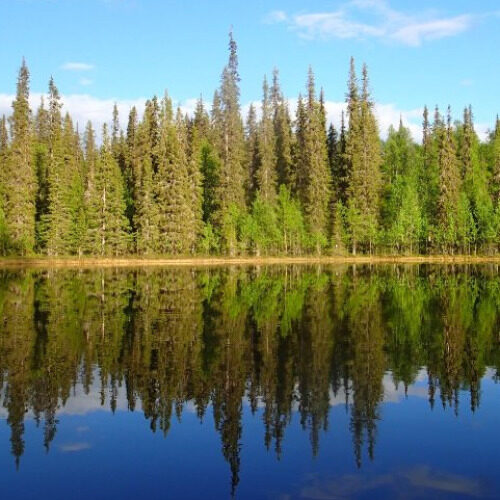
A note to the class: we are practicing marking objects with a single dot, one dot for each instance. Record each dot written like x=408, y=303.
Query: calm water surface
x=297, y=382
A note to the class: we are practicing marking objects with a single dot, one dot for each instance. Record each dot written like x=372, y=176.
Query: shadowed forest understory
x=218, y=183
x=287, y=342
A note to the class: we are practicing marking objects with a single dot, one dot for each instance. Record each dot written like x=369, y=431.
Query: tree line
x=282, y=339
x=273, y=184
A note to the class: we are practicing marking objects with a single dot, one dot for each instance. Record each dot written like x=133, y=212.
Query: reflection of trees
x=16, y=338
x=315, y=347
x=284, y=339
x=367, y=364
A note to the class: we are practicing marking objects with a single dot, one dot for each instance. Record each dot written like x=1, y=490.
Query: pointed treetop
x=311, y=91
x=352, y=92
x=425, y=122
x=233, y=56
x=366, y=83
x=105, y=137
x=116, y=124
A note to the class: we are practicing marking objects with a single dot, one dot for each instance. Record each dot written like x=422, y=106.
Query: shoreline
x=91, y=262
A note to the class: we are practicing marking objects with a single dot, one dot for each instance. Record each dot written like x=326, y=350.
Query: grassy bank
x=89, y=262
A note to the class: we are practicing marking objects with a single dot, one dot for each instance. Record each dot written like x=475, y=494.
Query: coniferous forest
x=266, y=184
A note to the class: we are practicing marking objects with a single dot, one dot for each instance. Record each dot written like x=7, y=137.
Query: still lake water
x=296, y=382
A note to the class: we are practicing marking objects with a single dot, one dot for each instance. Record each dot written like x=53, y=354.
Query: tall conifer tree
x=495, y=160
x=266, y=167
x=480, y=228
x=252, y=152
x=4, y=149
x=365, y=159
x=20, y=177
x=230, y=192
x=107, y=224
x=449, y=188
x=172, y=186
x=283, y=134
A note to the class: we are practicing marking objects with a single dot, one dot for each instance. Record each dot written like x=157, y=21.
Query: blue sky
x=99, y=51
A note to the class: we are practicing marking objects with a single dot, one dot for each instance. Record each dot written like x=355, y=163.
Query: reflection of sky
x=419, y=453
x=419, y=481
x=82, y=402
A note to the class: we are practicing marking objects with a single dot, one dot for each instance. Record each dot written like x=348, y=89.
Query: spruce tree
x=194, y=192
x=20, y=177
x=173, y=186
x=265, y=175
x=401, y=210
x=203, y=168
x=61, y=172
x=313, y=174
x=449, y=192
x=230, y=193
x=283, y=134
x=130, y=173
x=4, y=155
x=252, y=153
x=332, y=147
x=205, y=156
x=41, y=137
x=145, y=206
x=107, y=224
x=495, y=163
x=298, y=186
x=316, y=197
x=475, y=187
x=77, y=195
x=363, y=149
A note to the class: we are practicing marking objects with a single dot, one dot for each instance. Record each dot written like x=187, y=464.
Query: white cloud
x=332, y=24
x=77, y=66
x=86, y=81
x=84, y=107
x=415, y=33
x=361, y=19
x=275, y=16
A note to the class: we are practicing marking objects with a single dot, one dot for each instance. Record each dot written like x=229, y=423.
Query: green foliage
x=108, y=231
x=20, y=183
x=291, y=223
x=364, y=157
x=260, y=227
x=177, y=185
x=209, y=242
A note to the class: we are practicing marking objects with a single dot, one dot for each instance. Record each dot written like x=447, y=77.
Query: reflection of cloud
x=392, y=393
x=83, y=428
x=423, y=477
x=73, y=447
x=81, y=403
x=414, y=482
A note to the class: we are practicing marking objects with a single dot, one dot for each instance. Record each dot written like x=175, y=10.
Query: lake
x=310, y=382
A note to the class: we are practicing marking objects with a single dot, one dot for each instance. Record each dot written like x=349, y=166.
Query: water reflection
x=281, y=340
